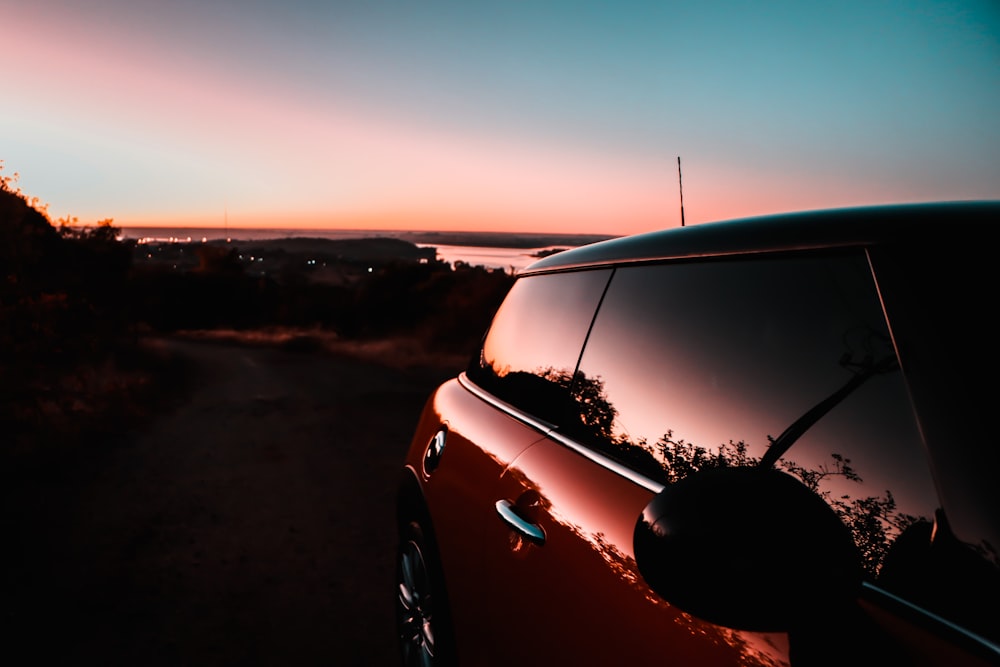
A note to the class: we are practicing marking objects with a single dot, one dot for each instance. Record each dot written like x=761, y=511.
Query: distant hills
x=378, y=249
x=461, y=238
x=502, y=239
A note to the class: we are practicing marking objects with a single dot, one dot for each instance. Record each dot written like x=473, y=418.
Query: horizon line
x=365, y=230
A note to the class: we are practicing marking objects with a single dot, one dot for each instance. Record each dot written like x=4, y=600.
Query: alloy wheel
x=414, y=607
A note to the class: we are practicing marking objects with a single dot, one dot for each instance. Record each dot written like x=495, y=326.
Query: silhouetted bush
x=441, y=307
x=64, y=330
x=73, y=299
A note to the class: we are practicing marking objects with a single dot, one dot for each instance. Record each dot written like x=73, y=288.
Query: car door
x=565, y=579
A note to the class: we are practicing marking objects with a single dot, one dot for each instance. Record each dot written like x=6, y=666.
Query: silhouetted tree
x=587, y=414
x=62, y=295
x=218, y=259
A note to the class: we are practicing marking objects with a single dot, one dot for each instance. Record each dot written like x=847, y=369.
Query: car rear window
x=532, y=347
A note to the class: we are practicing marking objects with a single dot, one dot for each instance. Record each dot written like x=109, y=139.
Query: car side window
x=532, y=347
x=696, y=365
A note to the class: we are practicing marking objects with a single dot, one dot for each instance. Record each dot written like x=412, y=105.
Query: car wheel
x=421, y=607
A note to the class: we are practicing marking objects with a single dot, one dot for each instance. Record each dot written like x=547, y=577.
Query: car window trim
x=550, y=431
x=968, y=639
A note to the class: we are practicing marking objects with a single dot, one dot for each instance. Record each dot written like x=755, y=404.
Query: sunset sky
x=549, y=116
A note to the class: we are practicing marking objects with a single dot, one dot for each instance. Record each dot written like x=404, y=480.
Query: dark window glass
x=940, y=296
x=531, y=349
x=695, y=365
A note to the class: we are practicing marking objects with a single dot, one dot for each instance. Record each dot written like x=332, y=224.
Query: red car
x=756, y=442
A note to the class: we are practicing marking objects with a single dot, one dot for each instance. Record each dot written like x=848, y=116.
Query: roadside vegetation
x=77, y=313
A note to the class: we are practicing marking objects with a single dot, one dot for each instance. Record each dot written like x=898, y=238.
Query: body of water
x=494, y=257
x=509, y=259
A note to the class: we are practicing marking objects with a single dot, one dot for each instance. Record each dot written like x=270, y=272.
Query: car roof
x=828, y=228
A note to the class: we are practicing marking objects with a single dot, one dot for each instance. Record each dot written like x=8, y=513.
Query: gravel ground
x=251, y=523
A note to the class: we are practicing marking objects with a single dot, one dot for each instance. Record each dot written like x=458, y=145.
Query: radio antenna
x=680, y=184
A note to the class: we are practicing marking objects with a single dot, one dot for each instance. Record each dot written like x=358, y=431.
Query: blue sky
x=541, y=116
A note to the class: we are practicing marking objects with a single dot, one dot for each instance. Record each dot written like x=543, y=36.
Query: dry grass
x=63, y=408
x=401, y=352
x=66, y=410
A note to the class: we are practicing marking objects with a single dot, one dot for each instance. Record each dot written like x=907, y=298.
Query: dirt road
x=251, y=524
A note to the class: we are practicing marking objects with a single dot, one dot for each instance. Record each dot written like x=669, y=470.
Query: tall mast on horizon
x=680, y=184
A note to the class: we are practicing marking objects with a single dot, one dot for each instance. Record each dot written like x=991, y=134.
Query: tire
x=422, y=618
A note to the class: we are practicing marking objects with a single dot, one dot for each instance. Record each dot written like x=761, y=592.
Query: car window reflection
x=727, y=359
x=539, y=329
x=784, y=362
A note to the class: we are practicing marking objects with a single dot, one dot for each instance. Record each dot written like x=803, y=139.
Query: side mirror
x=747, y=548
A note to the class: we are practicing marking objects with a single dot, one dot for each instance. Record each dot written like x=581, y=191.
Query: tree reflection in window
x=899, y=551
x=578, y=406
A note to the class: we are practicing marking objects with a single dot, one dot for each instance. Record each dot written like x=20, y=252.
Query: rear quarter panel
x=460, y=496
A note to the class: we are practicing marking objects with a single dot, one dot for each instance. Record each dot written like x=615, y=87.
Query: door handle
x=533, y=532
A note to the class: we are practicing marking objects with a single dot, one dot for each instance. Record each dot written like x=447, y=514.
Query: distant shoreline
x=481, y=239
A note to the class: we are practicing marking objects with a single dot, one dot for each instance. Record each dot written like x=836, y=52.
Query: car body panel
x=480, y=443
x=805, y=230
x=549, y=575
x=585, y=570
